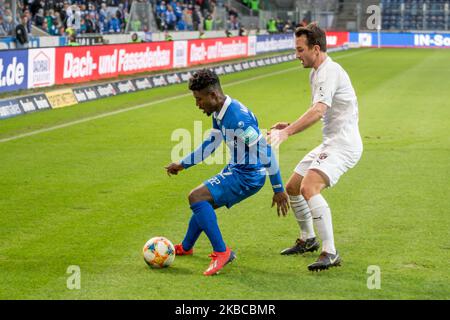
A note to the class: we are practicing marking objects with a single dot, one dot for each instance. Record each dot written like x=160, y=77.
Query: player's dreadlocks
x=203, y=79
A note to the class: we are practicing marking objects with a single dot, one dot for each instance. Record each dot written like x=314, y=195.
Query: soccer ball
x=159, y=252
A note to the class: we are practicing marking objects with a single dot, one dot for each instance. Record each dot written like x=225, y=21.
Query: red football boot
x=218, y=261
x=179, y=251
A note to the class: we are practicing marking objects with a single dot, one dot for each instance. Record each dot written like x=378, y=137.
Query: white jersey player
x=334, y=101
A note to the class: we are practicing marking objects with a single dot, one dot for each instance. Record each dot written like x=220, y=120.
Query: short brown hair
x=314, y=35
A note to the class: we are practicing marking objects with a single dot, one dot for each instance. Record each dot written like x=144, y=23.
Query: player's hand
x=277, y=137
x=174, y=168
x=279, y=126
x=282, y=201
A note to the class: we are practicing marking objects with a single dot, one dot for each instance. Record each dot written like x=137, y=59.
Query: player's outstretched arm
x=202, y=152
x=314, y=114
x=279, y=126
x=174, y=168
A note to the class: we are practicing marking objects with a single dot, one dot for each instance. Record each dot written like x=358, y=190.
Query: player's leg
x=312, y=185
x=213, y=193
x=228, y=188
x=202, y=202
x=197, y=195
x=307, y=240
x=326, y=169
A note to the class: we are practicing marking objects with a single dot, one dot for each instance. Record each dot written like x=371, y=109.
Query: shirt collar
x=225, y=106
x=324, y=63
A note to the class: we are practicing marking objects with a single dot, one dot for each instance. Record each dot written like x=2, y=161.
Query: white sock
x=303, y=216
x=321, y=214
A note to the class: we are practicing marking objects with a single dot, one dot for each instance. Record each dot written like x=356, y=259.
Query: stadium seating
x=64, y=17
x=415, y=15
x=55, y=17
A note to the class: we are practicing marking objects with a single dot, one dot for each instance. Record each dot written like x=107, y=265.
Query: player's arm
x=202, y=152
x=314, y=114
x=310, y=117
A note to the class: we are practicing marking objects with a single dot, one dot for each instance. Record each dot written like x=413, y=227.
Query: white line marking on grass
x=107, y=114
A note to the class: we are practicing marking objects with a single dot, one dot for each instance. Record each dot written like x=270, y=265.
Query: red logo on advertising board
x=86, y=63
x=213, y=50
x=336, y=39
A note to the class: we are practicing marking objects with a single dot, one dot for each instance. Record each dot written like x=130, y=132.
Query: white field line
x=108, y=114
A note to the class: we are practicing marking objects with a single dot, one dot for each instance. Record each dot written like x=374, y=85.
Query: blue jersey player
x=251, y=157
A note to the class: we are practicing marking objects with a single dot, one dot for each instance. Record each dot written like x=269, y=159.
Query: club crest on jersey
x=323, y=156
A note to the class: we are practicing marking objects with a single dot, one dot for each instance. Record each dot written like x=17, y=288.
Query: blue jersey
x=238, y=127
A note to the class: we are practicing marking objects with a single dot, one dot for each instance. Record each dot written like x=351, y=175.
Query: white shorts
x=330, y=161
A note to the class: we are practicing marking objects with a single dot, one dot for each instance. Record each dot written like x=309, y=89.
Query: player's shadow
x=172, y=270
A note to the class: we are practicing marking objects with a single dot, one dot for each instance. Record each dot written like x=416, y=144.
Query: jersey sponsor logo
x=250, y=135
x=323, y=156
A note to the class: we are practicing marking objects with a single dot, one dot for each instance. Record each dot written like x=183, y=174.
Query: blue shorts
x=230, y=187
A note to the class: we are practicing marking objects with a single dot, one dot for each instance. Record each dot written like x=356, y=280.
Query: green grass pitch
x=92, y=193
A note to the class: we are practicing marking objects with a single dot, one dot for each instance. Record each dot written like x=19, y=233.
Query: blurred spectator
x=254, y=5
x=83, y=26
x=24, y=21
x=233, y=23
x=103, y=21
x=8, y=24
x=168, y=36
x=170, y=18
x=135, y=38
x=39, y=18
x=205, y=7
x=89, y=24
x=187, y=17
x=231, y=11
x=73, y=41
x=58, y=24
x=197, y=18
x=289, y=26
x=113, y=24
x=3, y=32
x=21, y=33
x=44, y=26
x=208, y=23
x=178, y=8
x=271, y=25
x=61, y=17
x=136, y=24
